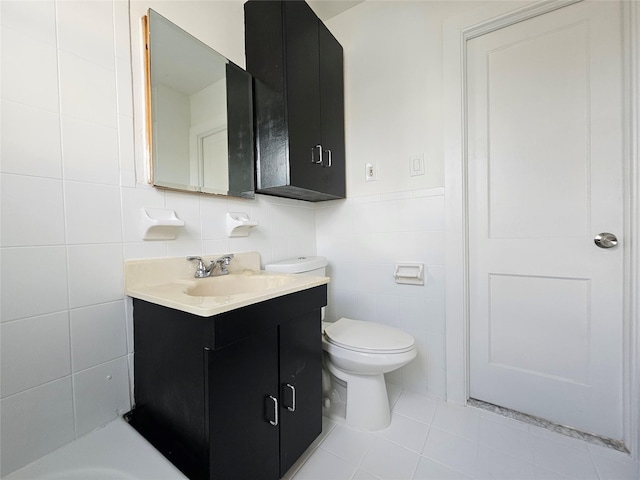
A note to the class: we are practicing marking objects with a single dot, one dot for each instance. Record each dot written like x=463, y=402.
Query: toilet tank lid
x=297, y=265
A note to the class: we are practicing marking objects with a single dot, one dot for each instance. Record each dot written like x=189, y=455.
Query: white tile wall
x=35, y=19
x=90, y=142
x=36, y=422
x=26, y=219
x=30, y=273
x=87, y=90
x=21, y=124
x=95, y=274
x=86, y=29
x=93, y=213
x=33, y=82
x=98, y=334
x=363, y=238
x=34, y=351
x=100, y=394
x=70, y=215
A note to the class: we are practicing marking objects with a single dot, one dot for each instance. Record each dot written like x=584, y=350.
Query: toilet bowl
x=357, y=354
x=360, y=353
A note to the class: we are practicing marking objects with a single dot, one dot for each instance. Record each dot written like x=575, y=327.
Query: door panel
x=545, y=176
x=331, y=179
x=300, y=385
x=303, y=97
x=514, y=340
x=541, y=84
x=249, y=444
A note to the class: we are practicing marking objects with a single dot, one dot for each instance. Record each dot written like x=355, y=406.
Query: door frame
x=456, y=32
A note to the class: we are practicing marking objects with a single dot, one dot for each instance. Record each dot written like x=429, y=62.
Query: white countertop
x=167, y=282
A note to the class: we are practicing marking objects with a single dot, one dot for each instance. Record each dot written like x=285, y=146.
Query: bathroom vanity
x=235, y=394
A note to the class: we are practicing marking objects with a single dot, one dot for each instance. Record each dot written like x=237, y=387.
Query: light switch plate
x=416, y=165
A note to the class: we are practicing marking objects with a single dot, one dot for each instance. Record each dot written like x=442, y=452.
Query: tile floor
x=430, y=439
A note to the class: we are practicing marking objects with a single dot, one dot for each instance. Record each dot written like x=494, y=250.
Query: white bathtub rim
x=114, y=451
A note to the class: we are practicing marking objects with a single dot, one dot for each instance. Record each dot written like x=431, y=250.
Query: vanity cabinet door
x=241, y=379
x=300, y=386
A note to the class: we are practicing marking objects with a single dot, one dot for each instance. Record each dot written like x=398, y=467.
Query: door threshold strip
x=554, y=427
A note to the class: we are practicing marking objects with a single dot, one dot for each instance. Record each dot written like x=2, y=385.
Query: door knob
x=605, y=240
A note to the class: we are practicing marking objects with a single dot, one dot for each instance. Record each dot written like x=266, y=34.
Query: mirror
x=199, y=114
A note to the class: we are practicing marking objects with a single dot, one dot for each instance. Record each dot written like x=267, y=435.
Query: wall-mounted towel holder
x=409, y=273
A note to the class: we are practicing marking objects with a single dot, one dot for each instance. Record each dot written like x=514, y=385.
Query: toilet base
x=367, y=400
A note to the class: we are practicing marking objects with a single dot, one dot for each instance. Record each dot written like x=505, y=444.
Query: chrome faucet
x=203, y=271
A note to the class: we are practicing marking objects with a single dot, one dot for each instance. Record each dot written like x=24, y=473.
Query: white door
x=545, y=173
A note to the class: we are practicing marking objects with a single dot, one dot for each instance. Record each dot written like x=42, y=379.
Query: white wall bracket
x=238, y=224
x=160, y=224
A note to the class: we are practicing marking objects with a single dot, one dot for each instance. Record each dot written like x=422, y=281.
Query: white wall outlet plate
x=371, y=172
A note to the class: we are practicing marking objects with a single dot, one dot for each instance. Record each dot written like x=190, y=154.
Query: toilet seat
x=368, y=337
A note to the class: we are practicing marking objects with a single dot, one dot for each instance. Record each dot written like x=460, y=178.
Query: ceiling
x=325, y=9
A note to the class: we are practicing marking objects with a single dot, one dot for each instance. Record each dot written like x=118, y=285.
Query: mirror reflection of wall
x=200, y=104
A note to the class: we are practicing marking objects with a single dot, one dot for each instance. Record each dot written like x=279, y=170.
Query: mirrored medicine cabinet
x=199, y=114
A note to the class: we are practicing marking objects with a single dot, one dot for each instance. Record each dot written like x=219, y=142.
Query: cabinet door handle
x=313, y=151
x=329, y=158
x=274, y=422
x=292, y=408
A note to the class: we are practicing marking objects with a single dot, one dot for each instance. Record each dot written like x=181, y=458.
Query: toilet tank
x=301, y=265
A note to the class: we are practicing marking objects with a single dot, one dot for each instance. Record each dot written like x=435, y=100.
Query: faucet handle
x=201, y=270
x=224, y=262
x=227, y=258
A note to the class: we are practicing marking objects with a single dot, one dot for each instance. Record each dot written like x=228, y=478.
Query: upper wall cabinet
x=200, y=114
x=299, y=101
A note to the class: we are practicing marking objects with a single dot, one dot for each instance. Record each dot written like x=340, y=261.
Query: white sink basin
x=237, y=284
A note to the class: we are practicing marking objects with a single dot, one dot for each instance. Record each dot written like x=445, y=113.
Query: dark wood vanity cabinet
x=237, y=395
x=297, y=66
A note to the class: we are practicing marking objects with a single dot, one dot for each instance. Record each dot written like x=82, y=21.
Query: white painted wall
x=209, y=105
x=393, y=91
x=393, y=95
x=209, y=113
x=172, y=136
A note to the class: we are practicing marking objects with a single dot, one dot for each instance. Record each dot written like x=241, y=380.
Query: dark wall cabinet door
x=299, y=101
x=303, y=94
x=332, y=113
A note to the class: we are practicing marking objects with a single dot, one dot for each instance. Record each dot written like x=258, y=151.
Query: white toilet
x=358, y=354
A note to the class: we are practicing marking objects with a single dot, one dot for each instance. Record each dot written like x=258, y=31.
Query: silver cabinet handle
x=275, y=411
x=313, y=151
x=329, y=155
x=292, y=408
x=605, y=240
